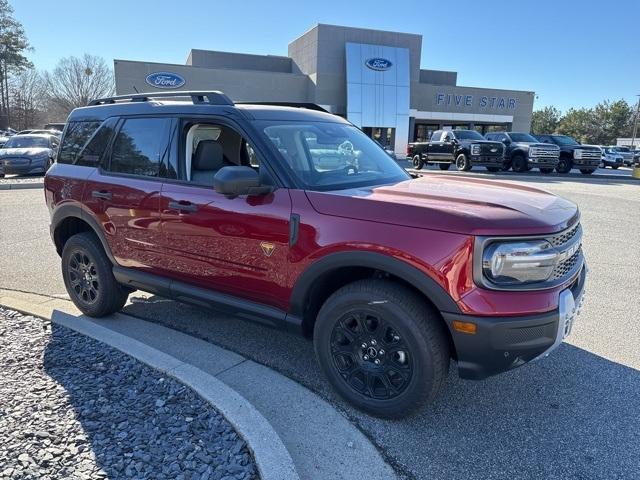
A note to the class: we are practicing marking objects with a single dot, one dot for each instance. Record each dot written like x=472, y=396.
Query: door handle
x=102, y=194
x=183, y=206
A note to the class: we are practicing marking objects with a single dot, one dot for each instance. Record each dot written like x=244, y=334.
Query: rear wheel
x=382, y=347
x=88, y=277
x=462, y=163
x=546, y=170
x=615, y=167
x=564, y=165
x=586, y=171
x=519, y=164
x=444, y=166
x=417, y=162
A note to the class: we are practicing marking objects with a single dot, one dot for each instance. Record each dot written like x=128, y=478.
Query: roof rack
x=197, y=97
x=309, y=106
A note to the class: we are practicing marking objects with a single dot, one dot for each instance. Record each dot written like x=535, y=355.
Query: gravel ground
x=71, y=407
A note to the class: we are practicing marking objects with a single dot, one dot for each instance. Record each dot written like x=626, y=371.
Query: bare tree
x=27, y=95
x=75, y=81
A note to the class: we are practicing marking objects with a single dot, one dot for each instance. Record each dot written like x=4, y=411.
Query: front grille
x=516, y=336
x=587, y=154
x=566, y=267
x=563, y=237
x=544, y=153
x=485, y=149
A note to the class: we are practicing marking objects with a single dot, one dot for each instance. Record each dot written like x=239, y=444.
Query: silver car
x=29, y=154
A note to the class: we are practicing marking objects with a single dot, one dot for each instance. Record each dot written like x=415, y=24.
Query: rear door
x=435, y=149
x=238, y=245
x=124, y=193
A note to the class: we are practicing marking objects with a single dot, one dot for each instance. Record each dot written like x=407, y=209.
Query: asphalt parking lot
x=573, y=415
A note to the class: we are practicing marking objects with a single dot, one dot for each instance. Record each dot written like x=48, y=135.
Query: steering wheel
x=346, y=148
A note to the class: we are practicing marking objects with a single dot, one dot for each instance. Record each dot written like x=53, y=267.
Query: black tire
x=88, y=277
x=369, y=316
x=48, y=165
x=462, y=163
x=444, y=166
x=494, y=169
x=519, y=163
x=418, y=163
x=546, y=171
x=615, y=167
x=564, y=165
x=586, y=171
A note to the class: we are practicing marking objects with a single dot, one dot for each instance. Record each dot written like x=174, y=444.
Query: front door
x=234, y=245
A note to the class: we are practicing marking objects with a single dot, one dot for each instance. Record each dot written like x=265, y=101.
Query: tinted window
x=437, y=135
x=468, y=135
x=522, y=137
x=140, y=146
x=564, y=140
x=75, y=139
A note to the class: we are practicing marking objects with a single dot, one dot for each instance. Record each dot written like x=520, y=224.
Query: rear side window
x=140, y=146
x=75, y=139
x=437, y=135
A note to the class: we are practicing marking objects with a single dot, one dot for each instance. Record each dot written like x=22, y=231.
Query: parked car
x=3, y=140
x=29, y=153
x=625, y=152
x=611, y=158
x=37, y=131
x=573, y=154
x=524, y=152
x=463, y=148
x=221, y=204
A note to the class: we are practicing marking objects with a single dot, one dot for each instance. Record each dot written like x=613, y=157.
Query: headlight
x=516, y=263
x=577, y=153
x=475, y=149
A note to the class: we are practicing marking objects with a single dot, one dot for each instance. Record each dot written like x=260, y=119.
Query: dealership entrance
x=385, y=136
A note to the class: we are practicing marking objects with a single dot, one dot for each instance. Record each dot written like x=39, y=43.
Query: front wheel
x=615, y=167
x=417, y=162
x=546, y=171
x=586, y=171
x=519, y=164
x=462, y=163
x=564, y=165
x=444, y=166
x=88, y=277
x=382, y=347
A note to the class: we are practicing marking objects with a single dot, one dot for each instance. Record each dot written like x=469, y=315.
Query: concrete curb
x=21, y=186
x=320, y=442
x=271, y=456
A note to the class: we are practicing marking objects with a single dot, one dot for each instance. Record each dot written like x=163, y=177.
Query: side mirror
x=506, y=141
x=235, y=181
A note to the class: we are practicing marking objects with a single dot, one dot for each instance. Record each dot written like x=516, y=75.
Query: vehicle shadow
x=572, y=415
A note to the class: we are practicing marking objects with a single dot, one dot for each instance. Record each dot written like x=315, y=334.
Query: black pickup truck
x=463, y=148
x=524, y=152
x=573, y=154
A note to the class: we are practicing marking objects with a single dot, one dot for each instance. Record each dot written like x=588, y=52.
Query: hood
x=455, y=204
x=535, y=144
x=587, y=147
x=24, y=152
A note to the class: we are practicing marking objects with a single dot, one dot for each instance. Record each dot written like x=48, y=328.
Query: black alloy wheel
x=564, y=165
x=462, y=163
x=519, y=164
x=382, y=347
x=417, y=162
x=88, y=276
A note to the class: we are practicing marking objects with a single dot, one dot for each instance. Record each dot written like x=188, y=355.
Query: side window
x=437, y=136
x=75, y=139
x=140, y=146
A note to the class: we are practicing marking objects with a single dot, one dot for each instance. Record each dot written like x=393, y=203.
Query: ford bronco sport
x=293, y=217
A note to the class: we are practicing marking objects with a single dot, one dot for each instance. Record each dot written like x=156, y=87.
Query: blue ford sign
x=379, y=64
x=165, y=80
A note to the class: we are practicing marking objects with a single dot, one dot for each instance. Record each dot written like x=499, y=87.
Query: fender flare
x=410, y=274
x=67, y=211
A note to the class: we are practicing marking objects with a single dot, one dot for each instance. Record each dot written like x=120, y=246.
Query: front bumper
x=23, y=166
x=486, y=161
x=504, y=343
x=543, y=162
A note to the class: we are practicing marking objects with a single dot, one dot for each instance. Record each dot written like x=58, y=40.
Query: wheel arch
x=332, y=272
x=71, y=219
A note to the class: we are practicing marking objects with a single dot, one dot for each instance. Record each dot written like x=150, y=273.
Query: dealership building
x=371, y=77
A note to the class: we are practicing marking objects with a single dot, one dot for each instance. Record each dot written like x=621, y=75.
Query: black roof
x=199, y=103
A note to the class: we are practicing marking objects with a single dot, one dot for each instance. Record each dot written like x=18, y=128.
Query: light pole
x=635, y=125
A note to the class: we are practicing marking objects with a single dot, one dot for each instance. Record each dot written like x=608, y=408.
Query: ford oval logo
x=379, y=64
x=165, y=80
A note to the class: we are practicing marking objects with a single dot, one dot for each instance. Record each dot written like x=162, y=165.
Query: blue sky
x=571, y=53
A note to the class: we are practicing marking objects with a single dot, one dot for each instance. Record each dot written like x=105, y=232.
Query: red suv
x=295, y=218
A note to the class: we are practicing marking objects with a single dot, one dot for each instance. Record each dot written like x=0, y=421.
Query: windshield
x=332, y=156
x=622, y=149
x=522, y=137
x=20, y=141
x=468, y=135
x=564, y=140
